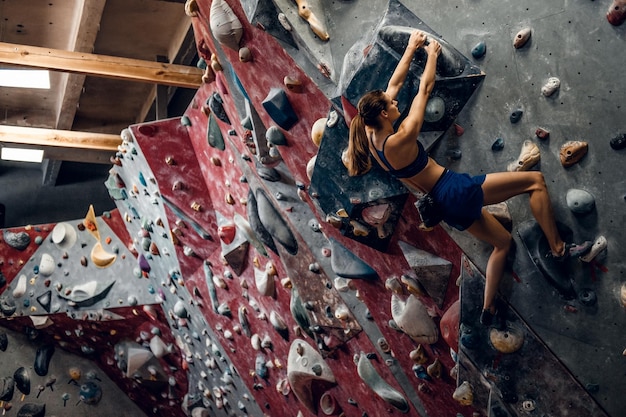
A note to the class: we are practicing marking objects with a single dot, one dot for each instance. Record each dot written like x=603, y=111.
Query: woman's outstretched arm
x=412, y=124
x=398, y=77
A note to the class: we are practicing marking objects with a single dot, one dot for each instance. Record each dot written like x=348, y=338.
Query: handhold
x=214, y=134
x=529, y=157
x=598, y=246
x=90, y=393
x=515, y=116
x=275, y=137
x=587, y=297
x=498, y=145
x=479, y=50
x=7, y=306
x=434, y=369
x=435, y=109
x=372, y=379
x=227, y=232
x=393, y=285
x=308, y=373
x=616, y=15
x=100, y=257
x=180, y=309
x=7, y=388
x=32, y=410
x=216, y=104
x=418, y=355
x=580, y=201
x=22, y=380
x=521, y=37
x=277, y=105
x=551, y=86
x=413, y=319
x=310, y=167
x=314, y=22
x=18, y=240
x=619, y=142
x=274, y=223
x=260, y=368
x=20, y=287
x=42, y=359
x=292, y=84
x=328, y=405
x=245, y=55
x=265, y=283
x=464, y=394
x=225, y=25
x=279, y=324
x=87, y=294
x=317, y=131
x=572, y=152
x=508, y=340
x=542, y=133
x=143, y=263
x=347, y=265
x=64, y=235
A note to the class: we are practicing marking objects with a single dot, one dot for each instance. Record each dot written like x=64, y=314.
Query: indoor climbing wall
x=244, y=273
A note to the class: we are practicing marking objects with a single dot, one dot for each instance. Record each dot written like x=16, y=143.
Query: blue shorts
x=460, y=197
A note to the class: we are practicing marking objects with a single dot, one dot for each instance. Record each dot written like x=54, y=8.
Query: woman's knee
x=538, y=180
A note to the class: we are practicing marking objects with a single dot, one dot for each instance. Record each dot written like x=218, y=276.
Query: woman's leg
x=501, y=186
x=489, y=229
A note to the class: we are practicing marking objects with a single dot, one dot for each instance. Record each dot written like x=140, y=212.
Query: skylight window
x=24, y=78
x=22, y=155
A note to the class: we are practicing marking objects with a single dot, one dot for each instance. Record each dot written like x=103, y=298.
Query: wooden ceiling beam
x=63, y=144
x=101, y=65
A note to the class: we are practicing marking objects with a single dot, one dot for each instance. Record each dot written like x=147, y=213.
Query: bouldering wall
x=244, y=273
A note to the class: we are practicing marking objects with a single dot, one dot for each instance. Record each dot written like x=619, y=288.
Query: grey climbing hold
x=435, y=109
x=268, y=173
x=347, y=265
x=580, y=201
x=498, y=145
x=619, y=142
x=275, y=136
x=372, y=379
x=19, y=240
x=515, y=116
x=216, y=104
x=214, y=134
x=274, y=223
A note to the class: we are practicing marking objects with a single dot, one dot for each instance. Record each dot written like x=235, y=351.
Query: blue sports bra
x=414, y=168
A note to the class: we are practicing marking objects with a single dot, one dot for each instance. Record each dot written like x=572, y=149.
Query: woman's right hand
x=433, y=48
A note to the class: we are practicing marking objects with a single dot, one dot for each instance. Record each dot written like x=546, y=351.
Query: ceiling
x=149, y=30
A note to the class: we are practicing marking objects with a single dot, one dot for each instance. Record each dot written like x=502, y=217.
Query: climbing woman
x=460, y=197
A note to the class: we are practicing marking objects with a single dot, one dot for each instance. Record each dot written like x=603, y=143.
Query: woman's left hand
x=417, y=39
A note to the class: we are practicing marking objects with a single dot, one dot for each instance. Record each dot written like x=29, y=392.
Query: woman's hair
x=368, y=110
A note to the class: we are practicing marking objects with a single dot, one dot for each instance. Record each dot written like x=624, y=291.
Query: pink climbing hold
x=616, y=15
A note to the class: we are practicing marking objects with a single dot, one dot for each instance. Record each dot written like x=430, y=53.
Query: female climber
x=460, y=196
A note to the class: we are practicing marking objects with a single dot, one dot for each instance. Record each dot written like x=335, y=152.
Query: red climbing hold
x=617, y=12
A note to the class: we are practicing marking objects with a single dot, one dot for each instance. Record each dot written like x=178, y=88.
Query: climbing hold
x=516, y=115
x=185, y=120
x=435, y=109
x=277, y=105
x=42, y=359
x=372, y=379
x=314, y=22
x=225, y=25
x=619, y=142
x=616, y=15
x=454, y=154
x=413, y=319
x=598, y=246
x=292, y=84
x=580, y=201
x=508, y=340
x=587, y=297
x=521, y=38
x=275, y=137
x=19, y=240
x=347, y=265
x=245, y=55
x=498, y=145
x=418, y=355
x=464, y=394
x=32, y=410
x=542, y=133
x=572, y=152
x=479, y=50
x=64, y=235
x=551, y=86
x=22, y=380
x=528, y=158
x=317, y=130
x=216, y=104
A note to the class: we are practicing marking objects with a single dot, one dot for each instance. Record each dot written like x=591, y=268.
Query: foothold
x=542, y=133
x=434, y=369
x=551, y=86
x=508, y=340
x=479, y=50
x=528, y=158
x=616, y=15
x=314, y=23
x=516, y=115
x=317, y=131
x=619, y=142
x=598, y=246
x=418, y=355
x=580, y=201
x=572, y=152
x=498, y=145
x=521, y=38
x=587, y=297
x=383, y=345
